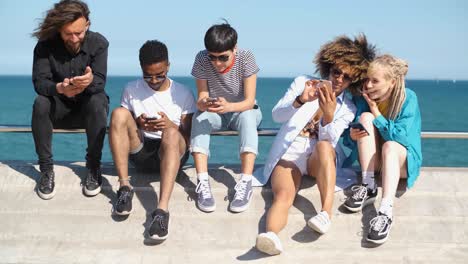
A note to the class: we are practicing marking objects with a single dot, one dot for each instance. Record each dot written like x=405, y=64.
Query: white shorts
x=299, y=152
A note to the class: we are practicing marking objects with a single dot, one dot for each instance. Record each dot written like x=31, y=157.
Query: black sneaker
x=123, y=205
x=46, y=186
x=93, y=182
x=159, y=227
x=361, y=197
x=379, y=229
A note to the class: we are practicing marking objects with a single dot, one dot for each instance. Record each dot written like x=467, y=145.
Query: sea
x=443, y=105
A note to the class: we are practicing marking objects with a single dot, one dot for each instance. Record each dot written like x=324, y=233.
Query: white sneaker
x=269, y=243
x=320, y=223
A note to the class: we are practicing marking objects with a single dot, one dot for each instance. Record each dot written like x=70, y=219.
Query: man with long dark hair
x=69, y=75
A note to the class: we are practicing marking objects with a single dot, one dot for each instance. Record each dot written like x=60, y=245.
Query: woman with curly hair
x=314, y=114
x=392, y=143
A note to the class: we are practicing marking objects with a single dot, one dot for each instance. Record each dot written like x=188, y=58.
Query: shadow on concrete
x=252, y=254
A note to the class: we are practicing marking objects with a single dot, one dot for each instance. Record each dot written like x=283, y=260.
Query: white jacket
x=294, y=120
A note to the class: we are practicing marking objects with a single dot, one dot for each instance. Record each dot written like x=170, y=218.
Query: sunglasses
x=159, y=78
x=338, y=73
x=222, y=58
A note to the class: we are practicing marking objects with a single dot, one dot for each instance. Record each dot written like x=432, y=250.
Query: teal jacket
x=405, y=129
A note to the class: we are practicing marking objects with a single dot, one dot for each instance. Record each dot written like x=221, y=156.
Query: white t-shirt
x=176, y=101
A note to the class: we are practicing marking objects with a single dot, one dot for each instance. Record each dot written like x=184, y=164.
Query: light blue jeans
x=203, y=123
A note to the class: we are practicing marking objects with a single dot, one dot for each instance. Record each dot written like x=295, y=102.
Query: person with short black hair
x=151, y=129
x=69, y=76
x=226, y=78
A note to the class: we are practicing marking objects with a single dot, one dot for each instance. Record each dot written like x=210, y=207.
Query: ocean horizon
x=441, y=102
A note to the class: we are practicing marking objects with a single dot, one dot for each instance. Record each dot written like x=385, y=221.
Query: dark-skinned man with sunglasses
x=151, y=129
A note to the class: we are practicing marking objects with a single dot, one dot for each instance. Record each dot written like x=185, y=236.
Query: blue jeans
x=203, y=123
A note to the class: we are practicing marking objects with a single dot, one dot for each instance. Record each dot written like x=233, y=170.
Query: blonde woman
x=390, y=142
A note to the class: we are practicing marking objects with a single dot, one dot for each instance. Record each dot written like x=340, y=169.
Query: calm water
x=443, y=107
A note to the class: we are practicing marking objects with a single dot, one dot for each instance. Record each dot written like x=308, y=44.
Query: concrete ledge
x=431, y=222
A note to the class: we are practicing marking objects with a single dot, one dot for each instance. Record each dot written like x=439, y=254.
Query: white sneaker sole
x=121, y=213
x=241, y=209
x=267, y=246
x=206, y=209
x=46, y=196
x=92, y=192
x=158, y=238
x=358, y=209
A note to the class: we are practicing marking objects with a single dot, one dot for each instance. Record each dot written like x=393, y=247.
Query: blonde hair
x=395, y=69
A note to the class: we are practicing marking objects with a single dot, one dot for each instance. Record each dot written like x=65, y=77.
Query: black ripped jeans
x=84, y=111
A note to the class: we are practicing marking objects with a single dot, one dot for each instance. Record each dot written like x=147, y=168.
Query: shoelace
x=160, y=220
x=123, y=197
x=379, y=222
x=47, y=179
x=203, y=187
x=91, y=176
x=360, y=191
x=322, y=218
x=241, y=188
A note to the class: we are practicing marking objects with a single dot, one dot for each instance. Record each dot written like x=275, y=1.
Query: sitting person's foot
x=379, y=229
x=269, y=243
x=205, y=199
x=46, y=186
x=93, y=181
x=159, y=227
x=361, y=196
x=242, y=197
x=123, y=205
x=320, y=223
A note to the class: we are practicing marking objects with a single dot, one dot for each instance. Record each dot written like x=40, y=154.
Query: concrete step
x=431, y=222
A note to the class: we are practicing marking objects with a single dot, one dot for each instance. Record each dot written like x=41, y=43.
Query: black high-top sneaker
x=93, y=181
x=361, y=197
x=46, y=186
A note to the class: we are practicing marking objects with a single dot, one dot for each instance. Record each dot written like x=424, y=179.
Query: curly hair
x=63, y=12
x=355, y=55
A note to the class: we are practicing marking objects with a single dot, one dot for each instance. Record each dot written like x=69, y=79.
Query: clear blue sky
x=283, y=35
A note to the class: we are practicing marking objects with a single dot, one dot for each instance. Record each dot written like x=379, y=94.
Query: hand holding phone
x=325, y=83
x=358, y=125
x=153, y=117
x=211, y=99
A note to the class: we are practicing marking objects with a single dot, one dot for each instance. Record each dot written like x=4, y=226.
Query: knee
x=97, y=104
x=284, y=197
x=170, y=138
x=120, y=116
x=41, y=105
x=323, y=151
x=366, y=118
x=389, y=148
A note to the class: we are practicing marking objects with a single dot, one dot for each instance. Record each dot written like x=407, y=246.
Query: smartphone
x=154, y=117
x=325, y=83
x=211, y=100
x=357, y=125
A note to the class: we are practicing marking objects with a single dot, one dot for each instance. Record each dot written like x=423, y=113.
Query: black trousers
x=85, y=111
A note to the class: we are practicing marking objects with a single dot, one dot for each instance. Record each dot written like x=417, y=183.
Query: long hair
x=354, y=55
x=395, y=69
x=63, y=12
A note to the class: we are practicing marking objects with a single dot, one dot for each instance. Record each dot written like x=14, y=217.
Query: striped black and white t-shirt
x=229, y=85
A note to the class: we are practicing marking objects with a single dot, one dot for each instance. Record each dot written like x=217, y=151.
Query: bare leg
x=201, y=162
x=393, y=167
x=123, y=137
x=247, y=162
x=321, y=165
x=173, y=146
x=367, y=146
x=285, y=181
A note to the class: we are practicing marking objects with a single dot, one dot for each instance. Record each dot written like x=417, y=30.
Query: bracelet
x=298, y=100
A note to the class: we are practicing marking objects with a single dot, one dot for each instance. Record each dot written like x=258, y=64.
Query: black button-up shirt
x=53, y=63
